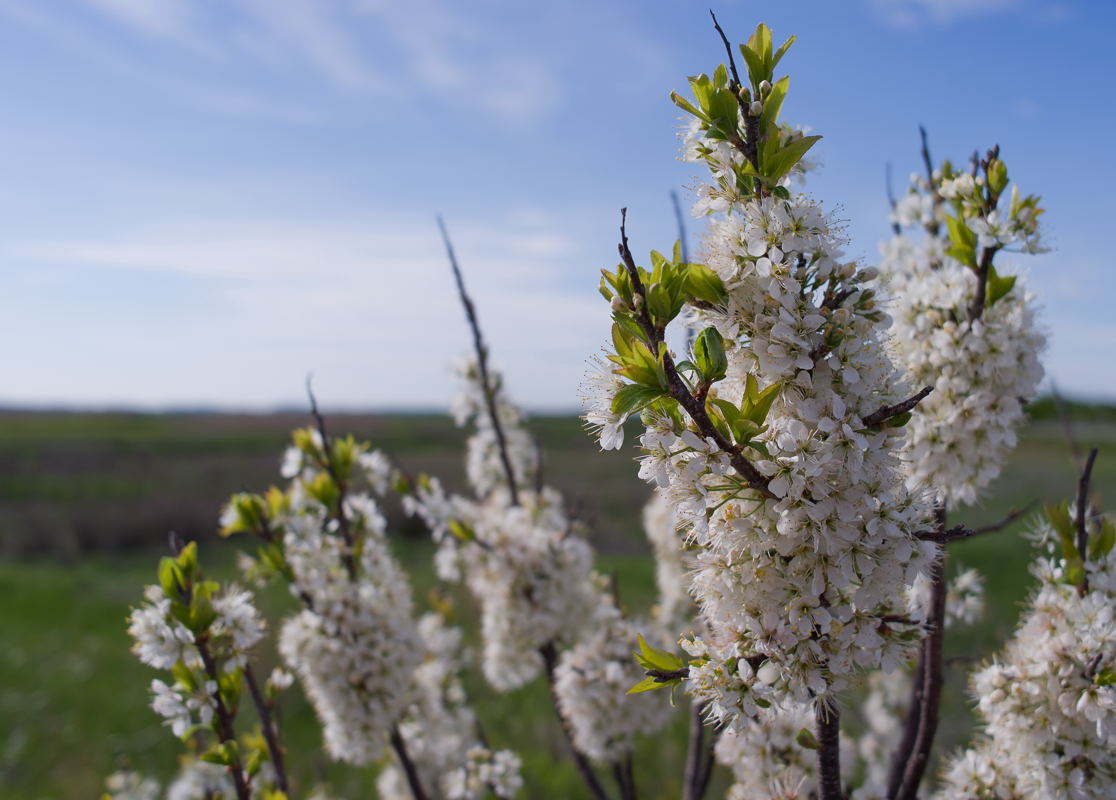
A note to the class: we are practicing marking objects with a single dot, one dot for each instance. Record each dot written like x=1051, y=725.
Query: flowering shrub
x=804, y=450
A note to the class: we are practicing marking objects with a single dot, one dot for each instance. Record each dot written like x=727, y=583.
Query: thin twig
x=1011, y=517
x=882, y=415
x=750, y=145
x=409, y=770
x=481, y=350
x=550, y=661
x=934, y=226
x=1082, y=506
x=930, y=670
x=891, y=199
x=331, y=468
x=693, y=406
x=226, y=730
x=270, y=729
x=827, y=716
x=695, y=751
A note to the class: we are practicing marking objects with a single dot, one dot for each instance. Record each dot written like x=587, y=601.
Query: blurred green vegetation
x=86, y=501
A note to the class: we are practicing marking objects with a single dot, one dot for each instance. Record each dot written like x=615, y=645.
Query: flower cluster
x=202, y=633
x=527, y=563
x=440, y=729
x=591, y=683
x=672, y=561
x=961, y=327
x=796, y=503
x=1048, y=700
x=355, y=644
x=773, y=757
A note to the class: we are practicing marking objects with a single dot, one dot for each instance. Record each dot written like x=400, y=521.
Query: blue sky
x=203, y=201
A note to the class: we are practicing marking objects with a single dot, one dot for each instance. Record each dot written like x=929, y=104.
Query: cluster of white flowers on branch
x=1048, y=700
x=766, y=442
x=959, y=325
x=202, y=634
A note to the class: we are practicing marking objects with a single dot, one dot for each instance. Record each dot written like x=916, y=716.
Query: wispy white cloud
x=403, y=52
x=345, y=300
x=917, y=13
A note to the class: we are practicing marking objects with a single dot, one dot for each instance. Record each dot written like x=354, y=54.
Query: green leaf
x=1106, y=677
x=688, y=107
x=709, y=355
x=962, y=253
x=462, y=531
x=782, y=51
x=633, y=398
x=773, y=103
x=754, y=62
x=783, y=160
x=171, y=579
x=181, y=673
x=649, y=684
x=1100, y=545
x=704, y=284
x=960, y=234
x=998, y=286
x=997, y=176
x=805, y=738
x=650, y=657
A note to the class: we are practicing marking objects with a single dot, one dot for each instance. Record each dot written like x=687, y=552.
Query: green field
x=86, y=501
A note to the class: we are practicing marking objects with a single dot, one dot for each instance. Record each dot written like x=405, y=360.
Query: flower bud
x=764, y=87
x=616, y=303
x=756, y=108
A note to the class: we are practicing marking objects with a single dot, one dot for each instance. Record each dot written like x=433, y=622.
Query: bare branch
x=891, y=198
x=331, y=468
x=1082, y=505
x=550, y=661
x=930, y=673
x=270, y=729
x=409, y=770
x=828, y=718
x=481, y=350
x=1011, y=517
x=882, y=415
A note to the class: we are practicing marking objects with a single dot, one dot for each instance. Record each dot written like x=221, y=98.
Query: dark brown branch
x=481, y=350
x=409, y=770
x=1082, y=507
x=622, y=771
x=828, y=719
x=331, y=468
x=891, y=198
x=882, y=415
x=693, y=406
x=584, y=768
x=226, y=730
x=270, y=729
x=668, y=675
x=695, y=749
x=976, y=309
x=936, y=198
x=1011, y=517
x=931, y=674
x=910, y=732
x=749, y=147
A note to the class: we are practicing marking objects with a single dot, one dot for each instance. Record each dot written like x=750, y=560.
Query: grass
x=73, y=702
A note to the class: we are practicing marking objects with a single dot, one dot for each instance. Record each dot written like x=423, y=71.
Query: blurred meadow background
x=204, y=202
